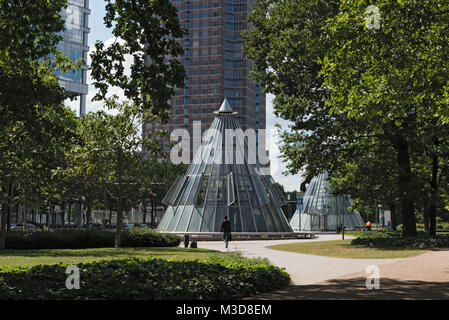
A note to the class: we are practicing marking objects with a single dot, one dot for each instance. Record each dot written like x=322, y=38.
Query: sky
x=98, y=31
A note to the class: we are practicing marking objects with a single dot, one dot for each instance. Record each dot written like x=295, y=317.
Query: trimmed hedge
x=396, y=240
x=146, y=279
x=82, y=239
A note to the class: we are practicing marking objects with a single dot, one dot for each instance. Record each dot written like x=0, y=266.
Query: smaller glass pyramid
x=324, y=211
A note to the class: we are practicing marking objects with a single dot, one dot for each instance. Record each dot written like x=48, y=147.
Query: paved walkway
x=422, y=277
x=304, y=269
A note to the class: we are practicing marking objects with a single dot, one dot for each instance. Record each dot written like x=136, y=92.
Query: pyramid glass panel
x=224, y=179
x=323, y=210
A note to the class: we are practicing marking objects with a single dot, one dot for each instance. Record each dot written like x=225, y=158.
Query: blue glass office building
x=75, y=46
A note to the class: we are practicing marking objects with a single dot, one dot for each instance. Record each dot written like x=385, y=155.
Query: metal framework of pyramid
x=324, y=211
x=212, y=189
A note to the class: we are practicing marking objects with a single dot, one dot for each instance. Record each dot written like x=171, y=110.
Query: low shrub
x=82, y=239
x=394, y=239
x=139, y=237
x=146, y=279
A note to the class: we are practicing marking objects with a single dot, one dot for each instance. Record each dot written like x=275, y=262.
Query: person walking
x=226, y=229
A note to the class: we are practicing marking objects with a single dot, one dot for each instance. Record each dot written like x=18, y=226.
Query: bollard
x=186, y=241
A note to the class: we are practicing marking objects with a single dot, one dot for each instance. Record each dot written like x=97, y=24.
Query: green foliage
x=367, y=105
x=142, y=237
x=148, y=31
x=35, y=126
x=81, y=239
x=286, y=45
x=217, y=278
x=29, y=34
x=105, y=165
x=396, y=240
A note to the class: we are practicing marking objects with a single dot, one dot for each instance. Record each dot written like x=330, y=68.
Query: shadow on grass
x=355, y=289
x=385, y=248
x=401, y=248
x=103, y=252
x=345, y=250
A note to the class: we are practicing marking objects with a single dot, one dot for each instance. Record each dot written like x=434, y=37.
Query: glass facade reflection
x=214, y=188
x=323, y=210
x=75, y=46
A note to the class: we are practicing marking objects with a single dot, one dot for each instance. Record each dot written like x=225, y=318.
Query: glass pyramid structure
x=324, y=211
x=221, y=183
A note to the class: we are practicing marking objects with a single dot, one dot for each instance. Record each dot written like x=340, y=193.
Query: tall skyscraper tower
x=216, y=66
x=75, y=46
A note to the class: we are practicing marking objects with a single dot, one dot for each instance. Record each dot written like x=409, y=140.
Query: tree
x=391, y=78
x=30, y=95
x=156, y=177
x=148, y=31
x=370, y=178
x=121, y=149
x=85, y=169
x=28, y=159
x=286, y=43
x=30, y=32
x=345, y=86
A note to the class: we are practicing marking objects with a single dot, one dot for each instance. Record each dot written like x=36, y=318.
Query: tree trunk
x=118, y=231
x=24, y=218
x=17, y=214
x=426, y=217
x=434, y=194
x=3, y=216
x=152, y=214
x=405, y=187
x=392, y=206
x=51, y=209
x=80, y=216
x=8, y=219
x=63, y=206
x=10, y=205
x=144, y=213
x=88, y=214
x=47, y=216
x=8, y=226
x=69, y=214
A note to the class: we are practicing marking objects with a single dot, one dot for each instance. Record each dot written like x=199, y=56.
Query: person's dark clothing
x=226, y=226
x=226, y=229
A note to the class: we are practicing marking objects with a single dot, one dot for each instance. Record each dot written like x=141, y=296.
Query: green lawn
x=74, y=256
x=344, y=249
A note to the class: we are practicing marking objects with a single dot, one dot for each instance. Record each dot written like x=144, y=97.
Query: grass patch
x=384, y=239
x=344, y=249
x=29, y=258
